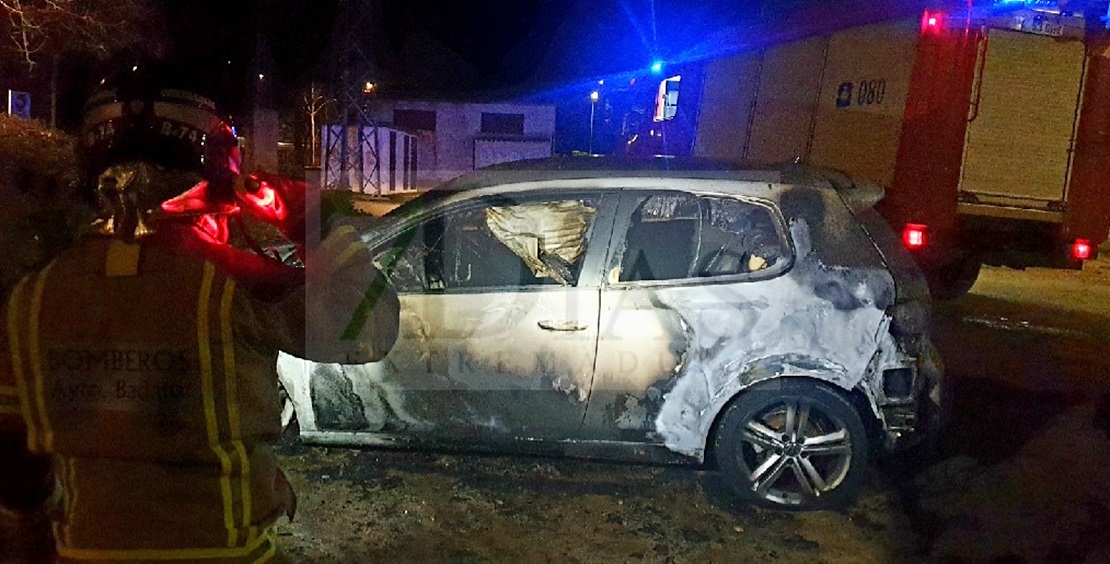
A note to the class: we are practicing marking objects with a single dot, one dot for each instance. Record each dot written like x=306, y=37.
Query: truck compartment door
x=1018, y=146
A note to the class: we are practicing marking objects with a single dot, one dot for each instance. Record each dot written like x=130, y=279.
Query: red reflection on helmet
x=198, y=199
x=233, y=160
x=266, y=196
x=276, y=200
x=192, y=200
x=212, y=228
x=265, y=203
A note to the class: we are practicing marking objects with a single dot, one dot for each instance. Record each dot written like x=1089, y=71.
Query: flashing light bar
x=932, y=21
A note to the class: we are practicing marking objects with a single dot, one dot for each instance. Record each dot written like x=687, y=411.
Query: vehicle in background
x=989, y=127
x=765, y=321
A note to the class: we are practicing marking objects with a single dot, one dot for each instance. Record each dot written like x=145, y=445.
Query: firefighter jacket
x=148, y=372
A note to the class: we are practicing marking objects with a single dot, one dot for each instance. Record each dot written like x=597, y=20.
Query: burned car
x=765, y=322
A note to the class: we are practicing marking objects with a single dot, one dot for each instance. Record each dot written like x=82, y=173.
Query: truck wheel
x=952, y=280
x=792, y=444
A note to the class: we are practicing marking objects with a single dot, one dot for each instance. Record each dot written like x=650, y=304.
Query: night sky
x=551, y=51
x=456, y=49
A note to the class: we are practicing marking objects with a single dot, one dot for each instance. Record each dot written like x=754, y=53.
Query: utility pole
x=351, y=145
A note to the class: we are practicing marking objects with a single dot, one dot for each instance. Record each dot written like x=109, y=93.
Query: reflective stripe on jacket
x=150, y=376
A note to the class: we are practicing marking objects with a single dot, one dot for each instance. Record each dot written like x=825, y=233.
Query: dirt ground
x=1021, y=474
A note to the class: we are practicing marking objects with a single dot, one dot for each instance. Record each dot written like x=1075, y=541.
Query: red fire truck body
x=990, y=130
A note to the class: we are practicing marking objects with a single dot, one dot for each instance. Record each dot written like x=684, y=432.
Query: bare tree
x=38, y=30
x=315, y=104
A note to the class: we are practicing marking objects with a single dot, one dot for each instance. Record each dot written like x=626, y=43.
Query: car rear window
x=679, y=235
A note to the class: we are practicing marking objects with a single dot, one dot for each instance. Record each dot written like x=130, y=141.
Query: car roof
x=582, y=167
x=590, y=167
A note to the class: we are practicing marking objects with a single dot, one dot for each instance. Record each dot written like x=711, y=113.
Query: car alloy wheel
x=792, y=444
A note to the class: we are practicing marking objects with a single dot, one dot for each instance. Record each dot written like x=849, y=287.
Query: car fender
x=293, y=374
x=767, y=370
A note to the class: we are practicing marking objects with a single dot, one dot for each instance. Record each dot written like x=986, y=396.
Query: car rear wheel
x=792, y=444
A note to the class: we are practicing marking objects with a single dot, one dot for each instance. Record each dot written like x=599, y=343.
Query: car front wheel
x=792, y=444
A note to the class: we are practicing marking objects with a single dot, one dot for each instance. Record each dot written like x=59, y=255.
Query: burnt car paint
x=471, y=367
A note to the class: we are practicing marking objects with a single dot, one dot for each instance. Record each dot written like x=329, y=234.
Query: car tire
x=817, y=462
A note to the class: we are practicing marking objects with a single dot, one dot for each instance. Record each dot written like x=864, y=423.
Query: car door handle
x=561, y=325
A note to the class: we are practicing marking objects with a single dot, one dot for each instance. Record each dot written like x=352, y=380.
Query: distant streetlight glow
x=261, y=76
x=369, y=87
x=593, y=106
x=657, y=67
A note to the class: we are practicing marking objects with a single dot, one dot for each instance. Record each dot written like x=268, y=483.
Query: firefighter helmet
x=143, y=144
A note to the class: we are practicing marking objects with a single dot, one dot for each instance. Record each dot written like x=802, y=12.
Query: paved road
x=1026, y=471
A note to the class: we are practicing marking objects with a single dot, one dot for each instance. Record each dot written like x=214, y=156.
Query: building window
x=666, y=102
x=420, y=120
x=502, y=124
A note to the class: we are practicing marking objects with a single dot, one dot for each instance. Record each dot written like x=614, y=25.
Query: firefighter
x=142, y=361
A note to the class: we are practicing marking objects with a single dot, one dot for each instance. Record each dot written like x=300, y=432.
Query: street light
x=593, y=105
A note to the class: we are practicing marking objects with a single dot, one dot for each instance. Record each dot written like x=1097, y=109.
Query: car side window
x=677, y=235
x=497, y=243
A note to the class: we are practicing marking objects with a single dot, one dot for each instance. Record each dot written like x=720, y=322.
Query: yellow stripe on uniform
x=230, y=380
x=36, y=362
x=208, y=391
x=349, y=252
x=17, y=361
x=9, y=401
x=270, y=534
x=266, y=541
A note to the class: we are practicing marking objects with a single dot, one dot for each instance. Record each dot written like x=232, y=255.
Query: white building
x=388, y=159
x=455, y=137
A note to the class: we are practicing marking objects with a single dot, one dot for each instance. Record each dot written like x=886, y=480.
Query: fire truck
x=989, y=126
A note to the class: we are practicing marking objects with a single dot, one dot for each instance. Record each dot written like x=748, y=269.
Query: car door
x=677, y=288
x=499, y=299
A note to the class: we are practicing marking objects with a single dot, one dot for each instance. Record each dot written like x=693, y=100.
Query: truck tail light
x=932, y=22
x=1081, y=249
x=913, y=236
